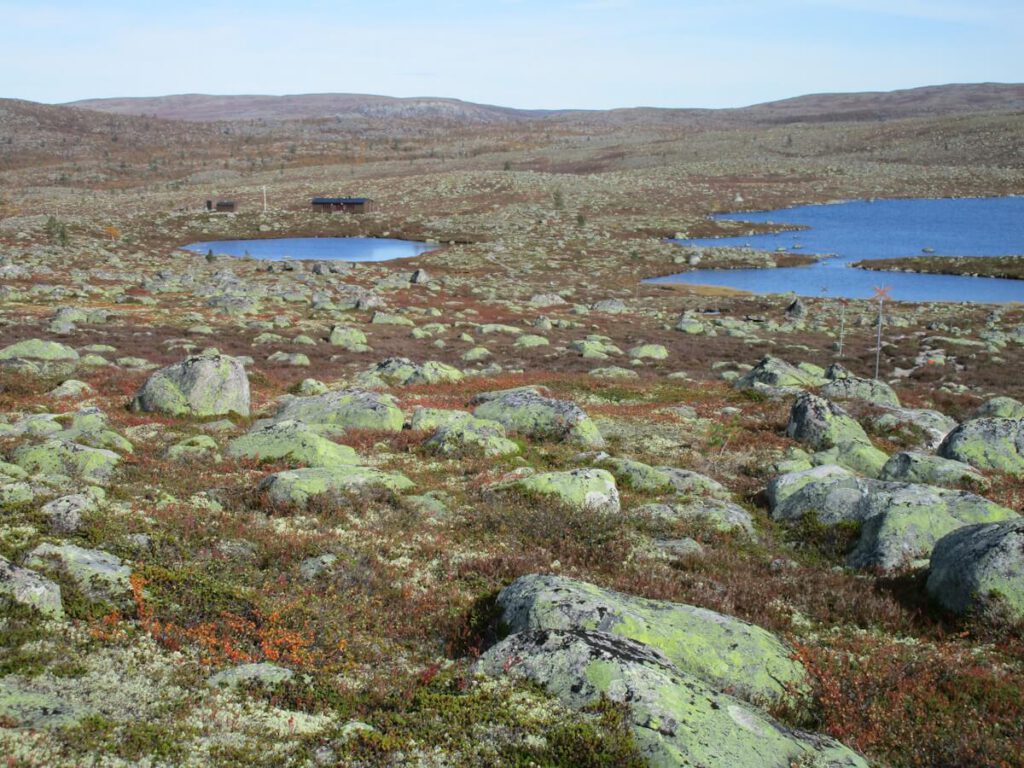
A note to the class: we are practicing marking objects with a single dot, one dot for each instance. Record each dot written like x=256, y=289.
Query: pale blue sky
x=520, y=53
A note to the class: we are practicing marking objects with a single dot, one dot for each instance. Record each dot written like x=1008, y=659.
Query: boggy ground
x=532, y=232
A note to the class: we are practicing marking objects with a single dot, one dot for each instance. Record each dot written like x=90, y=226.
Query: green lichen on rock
x=99, y=575
x=726, y=653
x=344, y=409
x=297, y=487
x=592, y=489
x=899, y=522
x=200, y=386
x=27, y=587
x=649, y=352
x=824, y=426
x=403, y=372
x=349, y=338
x=647, y=479
x=65, y=458
x=471, y=437
x=40, y=358
x=292, y=441
x=925, y=469
x=528, y=413
x=773, y=375
x=980, y=569
x=988, y=443
x=199, y=448
x=677, y=719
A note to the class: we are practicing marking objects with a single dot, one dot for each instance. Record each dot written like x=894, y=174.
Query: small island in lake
x=1005, y=267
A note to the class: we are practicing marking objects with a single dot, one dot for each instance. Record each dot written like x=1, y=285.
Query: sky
x=536, y=54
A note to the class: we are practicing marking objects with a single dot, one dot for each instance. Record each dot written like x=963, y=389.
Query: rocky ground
x=502, y=504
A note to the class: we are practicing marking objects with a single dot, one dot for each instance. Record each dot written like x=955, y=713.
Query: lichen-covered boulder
x=99, y=575
x=91, y=426
x=980, y=569
x=822, y=425
x=471, y=437
x=989, y=443
x=718, y=514
x=774, y=376
x=899, y=522
x=643, y=477
x=65, y=458
x=27, y=587
x=729, y=654
x=65, y=513
x=649, y=352
x=72, y=388
x=591, y=489
x=677, y=719
x=198, y=448
x=923, y=468
x=201, y=385
x=432, y=419
x=1000, y=408
x=296, y=487
x=402, y=372
x=344, y=409
x=40, y=358
x=527, y=412
x=291, y=441
x=921, y=427
x=843, y=385
x=349, y=338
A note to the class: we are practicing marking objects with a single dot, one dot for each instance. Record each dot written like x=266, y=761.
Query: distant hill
x=929, y=101
x=197, y=107
x=825, y=107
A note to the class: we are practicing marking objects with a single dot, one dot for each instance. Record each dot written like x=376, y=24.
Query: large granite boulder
x=1000, y=408
x=27, y=587
x=344, y=409
x=843, y=385
x=471, y=436
x=39, y=358
x=200, y=386
x=296, y=487
x=989, y=443
x=729, y=654
x=527, y=412
x=591, y=489
x=925, y=469
x=899, y=522
x=291, y=441
x=402, y=372
x=824, y=426
x=980, y=569
x=677, y=720
x=56, y=458
x=775, y=376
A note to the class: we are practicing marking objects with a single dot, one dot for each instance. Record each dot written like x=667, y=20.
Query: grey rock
x=980, y=569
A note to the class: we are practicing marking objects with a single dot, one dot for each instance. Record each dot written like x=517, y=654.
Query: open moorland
x=502, y=504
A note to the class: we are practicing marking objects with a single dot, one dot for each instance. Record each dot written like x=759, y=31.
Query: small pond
x=862, y=230
x=315, y=248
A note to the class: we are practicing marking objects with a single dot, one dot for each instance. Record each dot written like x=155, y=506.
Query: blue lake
x=881, y=229
x=315, y=248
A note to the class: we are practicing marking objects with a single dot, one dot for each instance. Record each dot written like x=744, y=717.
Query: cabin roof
x=339, y=200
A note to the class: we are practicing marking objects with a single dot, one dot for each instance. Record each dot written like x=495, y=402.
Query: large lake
x=315, y=248
x=860, y=230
